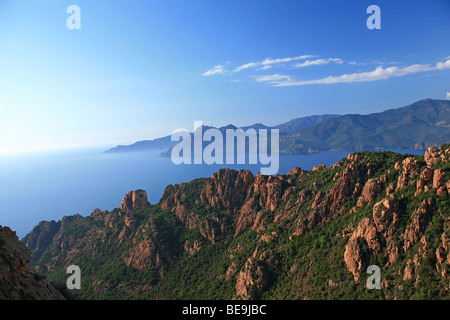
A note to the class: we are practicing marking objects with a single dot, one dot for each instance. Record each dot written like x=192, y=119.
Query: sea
x=50, y=185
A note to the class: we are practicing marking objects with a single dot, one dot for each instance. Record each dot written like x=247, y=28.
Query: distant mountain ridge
x=166, y=143
x=416, y=126
x=298, y=124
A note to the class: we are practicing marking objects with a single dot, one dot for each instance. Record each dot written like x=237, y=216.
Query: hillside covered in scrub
x=304, y=235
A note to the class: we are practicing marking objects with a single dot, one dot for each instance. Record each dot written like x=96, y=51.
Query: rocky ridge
x=371, y=207
x=17, y=281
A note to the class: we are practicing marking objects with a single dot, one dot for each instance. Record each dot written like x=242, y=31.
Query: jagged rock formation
x=302, y=235
x=17, y=282
x=136, y=199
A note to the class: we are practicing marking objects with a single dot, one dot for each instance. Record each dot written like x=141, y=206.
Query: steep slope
x=17, y=282
x=304, y=235
x=298, y=124
x=416, y=126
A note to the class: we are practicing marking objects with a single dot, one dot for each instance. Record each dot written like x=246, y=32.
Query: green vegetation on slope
x=201, y=241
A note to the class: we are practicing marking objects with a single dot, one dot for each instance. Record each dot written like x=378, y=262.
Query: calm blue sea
x=48, y=186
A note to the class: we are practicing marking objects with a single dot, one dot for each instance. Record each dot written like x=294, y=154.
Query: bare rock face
x=136, y=199
x=319, y=167
x=419, y=220
x=141, y=256
x=295, y=170
x=413, y=265
x=433, y=155
x=269, y=189
x=386, y=219
x=427, y=174
x=17, y=282
x=354, y=258
x=438, y=178
x=227, y=188
x=252, y=277
x=373, y=235
x=255, y=275
x=41, y=237
x=247, y=216
x=327, y=205
x=409, y=171
x=345, y=186
x=371, y=189
x=443, y=256
x=385, y=216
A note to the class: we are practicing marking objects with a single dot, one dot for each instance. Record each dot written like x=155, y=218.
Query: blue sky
x=141, y=69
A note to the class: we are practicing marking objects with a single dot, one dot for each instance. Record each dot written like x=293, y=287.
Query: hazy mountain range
x=416, y=126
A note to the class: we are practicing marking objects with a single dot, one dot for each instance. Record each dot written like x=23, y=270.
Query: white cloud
x=443, y=65
x=246, y=66
x=267, y=63
x=379, y=73
x=317, y=62
x=377, y=62
x=448, y=95
x=268, y=66
x=274, y=78
x=214, y=70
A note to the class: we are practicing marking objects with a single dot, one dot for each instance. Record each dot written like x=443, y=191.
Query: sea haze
x=48, y=186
